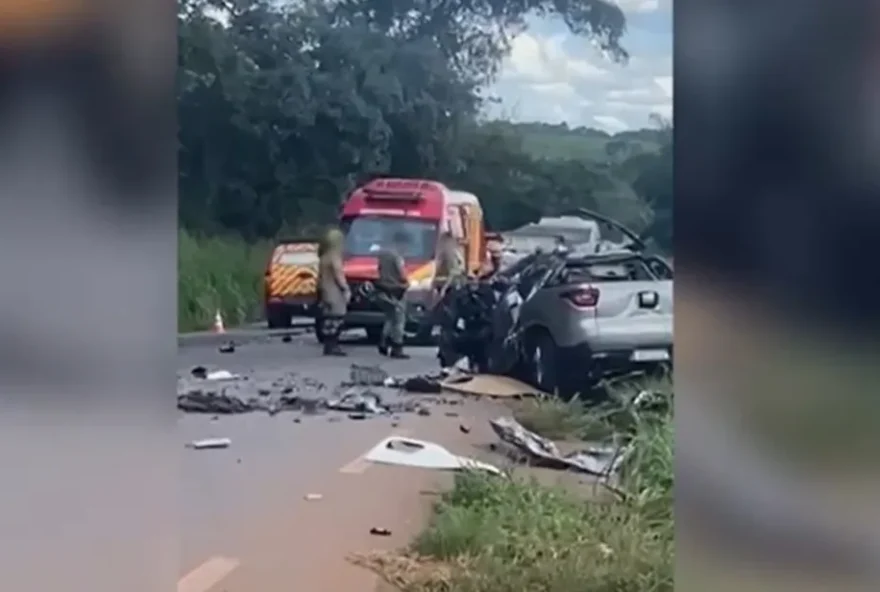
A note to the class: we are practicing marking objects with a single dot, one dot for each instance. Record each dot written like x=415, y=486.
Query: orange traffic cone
x=218, y=323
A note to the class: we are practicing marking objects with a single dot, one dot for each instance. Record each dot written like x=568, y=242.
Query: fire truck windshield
x=366, y=235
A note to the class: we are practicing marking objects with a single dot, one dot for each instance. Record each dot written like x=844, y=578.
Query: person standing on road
x=334, y=291
x=390, y=288
x=449, y=266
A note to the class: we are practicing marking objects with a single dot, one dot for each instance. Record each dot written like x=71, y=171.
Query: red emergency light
x=385, y=196
x=397, y=190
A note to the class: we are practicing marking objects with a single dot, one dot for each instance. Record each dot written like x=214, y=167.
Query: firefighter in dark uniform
x=333, y=290
x=390, y=289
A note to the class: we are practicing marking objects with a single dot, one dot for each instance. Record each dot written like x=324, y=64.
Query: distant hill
x=558, y=141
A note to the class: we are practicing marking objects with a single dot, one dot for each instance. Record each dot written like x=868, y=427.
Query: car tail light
x=583, y=297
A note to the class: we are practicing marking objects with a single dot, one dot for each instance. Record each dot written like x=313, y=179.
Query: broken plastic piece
x=210, y=443
x=595, y=459
x=354, y=402
x=221, y=375
x=380, y=531
x=406, y=452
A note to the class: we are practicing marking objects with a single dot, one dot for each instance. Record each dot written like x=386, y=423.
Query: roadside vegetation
x=218, y=273
x=492, y=534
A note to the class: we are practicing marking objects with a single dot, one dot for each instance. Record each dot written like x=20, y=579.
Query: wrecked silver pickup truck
x=564, y=321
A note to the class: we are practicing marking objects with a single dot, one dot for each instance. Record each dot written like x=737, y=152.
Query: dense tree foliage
x=283, y=108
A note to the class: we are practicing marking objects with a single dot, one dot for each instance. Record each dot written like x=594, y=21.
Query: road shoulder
x=307, y=545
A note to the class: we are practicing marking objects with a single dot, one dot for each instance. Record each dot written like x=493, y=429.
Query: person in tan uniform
x=333, y=291
x=390, y=289
x=449, y=267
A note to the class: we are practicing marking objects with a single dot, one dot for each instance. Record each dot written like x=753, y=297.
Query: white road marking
x=207, y=575
x=360, y=465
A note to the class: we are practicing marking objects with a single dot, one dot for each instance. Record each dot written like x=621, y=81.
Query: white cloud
x=610, y=123
x=556, y=89
x=544, y=60
x=558, y=77
x=665, y=83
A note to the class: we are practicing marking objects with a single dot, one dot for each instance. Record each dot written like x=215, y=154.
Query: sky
x=554, y=76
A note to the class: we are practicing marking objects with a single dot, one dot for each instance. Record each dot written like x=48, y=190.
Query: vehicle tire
x=374, y=333
x=278, y=318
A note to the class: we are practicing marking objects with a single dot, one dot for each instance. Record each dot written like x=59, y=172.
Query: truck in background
x=290, y=282
x=423, y=210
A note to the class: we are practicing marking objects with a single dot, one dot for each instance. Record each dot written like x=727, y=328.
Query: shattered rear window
x=629, y=271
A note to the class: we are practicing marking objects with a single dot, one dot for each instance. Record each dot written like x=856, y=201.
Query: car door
x=505, y=352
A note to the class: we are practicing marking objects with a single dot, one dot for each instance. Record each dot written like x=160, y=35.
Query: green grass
x=223, y=274
x=512, y=535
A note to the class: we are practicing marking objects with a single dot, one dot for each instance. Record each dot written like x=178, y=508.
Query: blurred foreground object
x=23, y=21
x=87, y=309
x=776, y=424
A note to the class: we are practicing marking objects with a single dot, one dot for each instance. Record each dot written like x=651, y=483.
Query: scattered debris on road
x=380, y=531
x=227, y=348
x=353, y=402
x=428, y=385
x=202, y=373
x=368, y=376
x=197, y=401
x=201, y=401
x=281, y=396
x=210, y=443
x=598, y=460
x=313, y=497
x=406, y=452
x=464, y=429
x=313, y=384
x=220, y=392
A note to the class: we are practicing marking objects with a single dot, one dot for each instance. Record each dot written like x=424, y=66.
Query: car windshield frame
x=425, y=231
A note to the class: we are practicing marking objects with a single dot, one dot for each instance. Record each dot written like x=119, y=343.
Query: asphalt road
x=246, y=521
